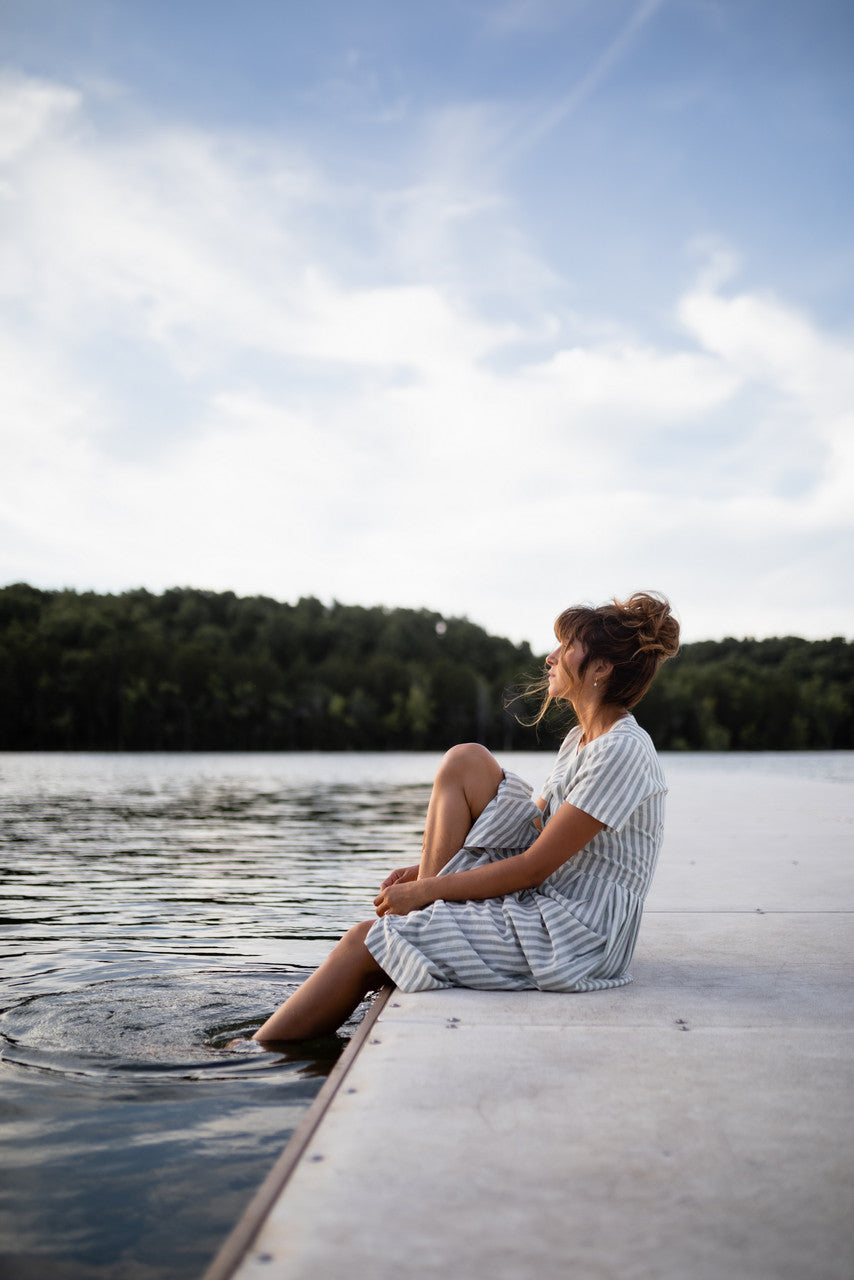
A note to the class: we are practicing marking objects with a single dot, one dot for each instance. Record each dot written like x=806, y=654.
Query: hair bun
x=649, y=615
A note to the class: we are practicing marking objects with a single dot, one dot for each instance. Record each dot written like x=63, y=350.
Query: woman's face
x=563, y=663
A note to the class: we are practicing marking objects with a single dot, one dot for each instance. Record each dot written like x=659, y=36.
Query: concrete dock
x=693, y=1125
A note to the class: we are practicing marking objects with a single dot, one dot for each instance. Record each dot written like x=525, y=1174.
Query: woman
x=513, y=894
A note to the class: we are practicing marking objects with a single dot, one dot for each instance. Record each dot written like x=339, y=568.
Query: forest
x=192, y=670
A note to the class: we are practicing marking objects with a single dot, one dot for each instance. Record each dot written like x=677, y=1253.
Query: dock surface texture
x=696, y=1124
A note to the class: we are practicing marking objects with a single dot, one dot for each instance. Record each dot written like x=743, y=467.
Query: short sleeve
x=615, y=774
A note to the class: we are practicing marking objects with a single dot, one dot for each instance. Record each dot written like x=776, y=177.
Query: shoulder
x=617, y=773
x=628, y=734
x=626, y=743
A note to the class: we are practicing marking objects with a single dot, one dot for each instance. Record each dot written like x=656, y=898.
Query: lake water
x=153, y=907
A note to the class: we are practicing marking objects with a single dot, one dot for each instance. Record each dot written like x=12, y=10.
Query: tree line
x=191, y=670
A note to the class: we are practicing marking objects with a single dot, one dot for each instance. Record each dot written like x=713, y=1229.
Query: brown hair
x=634, y=635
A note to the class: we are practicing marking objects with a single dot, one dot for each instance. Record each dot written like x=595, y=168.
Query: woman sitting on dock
x=516, y=894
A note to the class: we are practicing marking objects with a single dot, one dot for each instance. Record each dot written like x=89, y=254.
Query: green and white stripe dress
x=577, y=930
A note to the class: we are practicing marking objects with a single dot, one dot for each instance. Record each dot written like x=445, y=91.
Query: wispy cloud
x=558, y=112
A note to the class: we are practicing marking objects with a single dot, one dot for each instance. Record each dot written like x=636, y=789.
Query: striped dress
x=577, y=930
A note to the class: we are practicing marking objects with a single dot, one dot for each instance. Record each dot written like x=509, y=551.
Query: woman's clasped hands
x=401, y=892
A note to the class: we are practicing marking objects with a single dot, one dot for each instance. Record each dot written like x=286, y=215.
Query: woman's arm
x=567, y=832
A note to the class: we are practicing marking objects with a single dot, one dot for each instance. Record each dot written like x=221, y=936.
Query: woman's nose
x=553, y=657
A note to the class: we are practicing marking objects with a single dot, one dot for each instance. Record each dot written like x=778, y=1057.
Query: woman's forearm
x=568, y=831
x=493, y=880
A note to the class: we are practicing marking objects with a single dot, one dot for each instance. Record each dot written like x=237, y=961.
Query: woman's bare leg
x=466, y=781
x=330, y=995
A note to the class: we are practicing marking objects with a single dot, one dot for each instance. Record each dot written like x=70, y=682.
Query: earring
x=595, y=684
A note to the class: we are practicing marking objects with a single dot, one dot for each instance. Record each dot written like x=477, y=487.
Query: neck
x=598, y=719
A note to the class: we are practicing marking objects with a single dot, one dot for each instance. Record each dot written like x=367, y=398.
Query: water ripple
x=153, y=909
x=176, y=1023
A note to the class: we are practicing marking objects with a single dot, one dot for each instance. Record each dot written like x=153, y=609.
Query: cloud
x=28, y=108
x=803, y=392
x=208, y=381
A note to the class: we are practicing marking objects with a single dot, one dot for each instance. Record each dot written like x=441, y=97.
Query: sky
x=481, y=306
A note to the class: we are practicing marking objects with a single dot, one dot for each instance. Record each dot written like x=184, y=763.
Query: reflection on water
x=153, y=908
x=131, y=1141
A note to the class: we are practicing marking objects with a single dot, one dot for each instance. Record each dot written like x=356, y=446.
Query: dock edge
x=239, y=1240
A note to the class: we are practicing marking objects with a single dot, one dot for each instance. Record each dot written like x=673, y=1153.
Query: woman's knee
x=355, y=936
x=467, y=760
x=353, y=943
x=473, y=772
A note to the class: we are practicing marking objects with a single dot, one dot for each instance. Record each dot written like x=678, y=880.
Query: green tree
x=202, y=670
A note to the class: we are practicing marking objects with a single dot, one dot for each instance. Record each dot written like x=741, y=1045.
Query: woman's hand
x=402, y=897
x=400, y=876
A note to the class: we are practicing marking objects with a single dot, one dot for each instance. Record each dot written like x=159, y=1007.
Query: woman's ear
x=602, y=669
